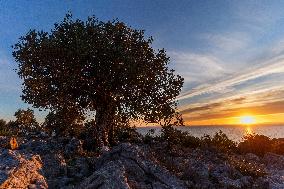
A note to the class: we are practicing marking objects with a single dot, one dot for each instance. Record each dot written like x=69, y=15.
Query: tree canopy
x=25, y=122
x=106, y=67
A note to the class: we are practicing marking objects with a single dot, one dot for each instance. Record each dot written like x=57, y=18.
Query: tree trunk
x=104, y=124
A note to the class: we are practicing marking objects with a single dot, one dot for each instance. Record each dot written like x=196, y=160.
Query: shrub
x=257, y=144
x=4, y=128
x=150, y=136
x=2, y=123
x=6, y=132
x=126, y=133
x=174, y=136
x=220, y=141
x=277, y=146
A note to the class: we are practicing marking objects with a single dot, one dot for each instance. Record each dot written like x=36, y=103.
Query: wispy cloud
x=274, y=66
x=227, y=41
x=196, y=67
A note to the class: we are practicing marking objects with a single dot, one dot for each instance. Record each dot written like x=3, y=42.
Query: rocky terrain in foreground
x=62, y=163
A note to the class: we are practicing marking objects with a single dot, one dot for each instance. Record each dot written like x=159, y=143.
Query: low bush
x=150, y=137
x=261, y=144
x=256, y=144
x=174, y=136
x=7, y=129
x=126, y=133
x=278, y=146
x=24, y=125
x=220, y=141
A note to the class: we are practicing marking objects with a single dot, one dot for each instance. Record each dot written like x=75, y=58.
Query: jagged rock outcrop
x=20, y=171
x=60, y=163
x=125, y=167
x=209, y=169
x=275, y=168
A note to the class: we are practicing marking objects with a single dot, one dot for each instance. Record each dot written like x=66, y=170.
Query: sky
x=230, y=53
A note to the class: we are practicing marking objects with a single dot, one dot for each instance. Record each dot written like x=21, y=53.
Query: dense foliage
x=219, y=141
x=4, y=128
x=174, y=136
x=24, y=125
x=260, y=144
x=106, y=67
x=63, y=123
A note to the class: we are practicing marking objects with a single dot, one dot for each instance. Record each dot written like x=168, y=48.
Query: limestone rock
x=274, y=161
x=20, y=171
x=125, y=166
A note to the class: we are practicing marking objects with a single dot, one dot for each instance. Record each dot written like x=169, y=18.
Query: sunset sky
x=231, y=53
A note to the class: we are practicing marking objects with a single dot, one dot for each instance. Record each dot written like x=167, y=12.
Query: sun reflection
x=248, y=131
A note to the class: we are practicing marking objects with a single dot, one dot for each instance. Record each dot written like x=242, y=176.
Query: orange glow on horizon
x=257, y=119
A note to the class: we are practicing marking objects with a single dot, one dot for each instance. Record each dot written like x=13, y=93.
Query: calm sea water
x=235, y=133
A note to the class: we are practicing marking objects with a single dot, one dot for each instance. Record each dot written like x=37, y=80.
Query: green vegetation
x=4, y=128
x=24, y=125
x=219, y=141
x=260, y=144
x=174, y=136
x=62, y=124
x=105, y=67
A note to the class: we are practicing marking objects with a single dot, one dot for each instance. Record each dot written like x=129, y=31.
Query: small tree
x=25, y=122
x=106, y=67
x=2, y=124
x=4, y=129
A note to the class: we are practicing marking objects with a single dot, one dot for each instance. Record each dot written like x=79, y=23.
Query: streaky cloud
x=276, y=65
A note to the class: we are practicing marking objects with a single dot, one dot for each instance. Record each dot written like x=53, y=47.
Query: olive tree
x=105, y=67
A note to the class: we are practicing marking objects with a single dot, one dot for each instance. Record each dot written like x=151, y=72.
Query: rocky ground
x=62, y=163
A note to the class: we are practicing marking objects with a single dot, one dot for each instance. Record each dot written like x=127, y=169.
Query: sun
x=246, y=120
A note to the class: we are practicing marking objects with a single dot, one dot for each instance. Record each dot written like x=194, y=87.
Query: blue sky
x=231, y=53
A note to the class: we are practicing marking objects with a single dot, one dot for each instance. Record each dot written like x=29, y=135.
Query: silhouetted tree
x=2, y=123
x=25, y=122
x=106, y=67
x=4, y=129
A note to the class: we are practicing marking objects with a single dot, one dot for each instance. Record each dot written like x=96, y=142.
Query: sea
x=234, y=132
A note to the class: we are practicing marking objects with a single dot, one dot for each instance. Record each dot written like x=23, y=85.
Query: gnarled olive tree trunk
x=104, y=125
